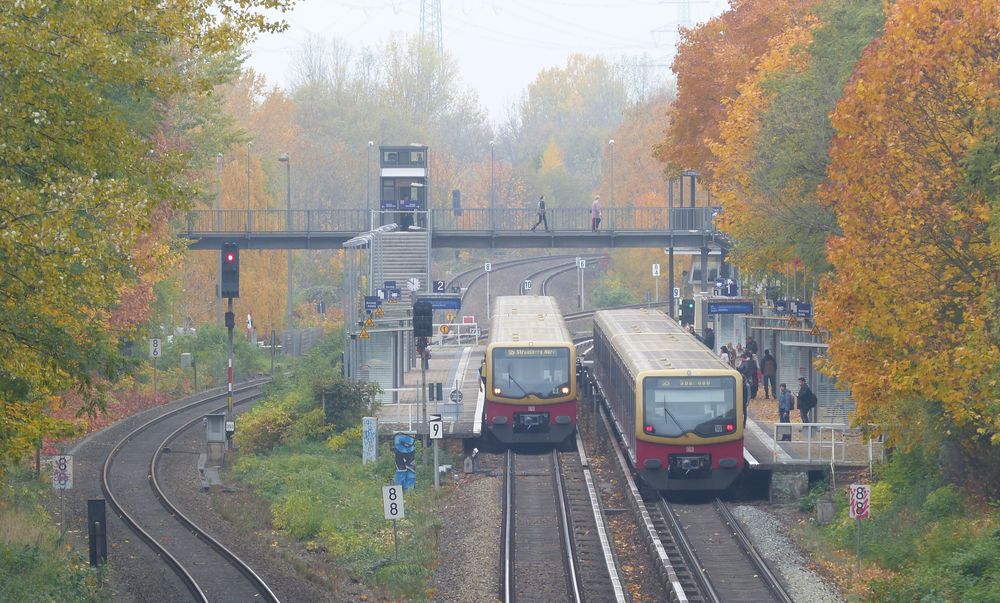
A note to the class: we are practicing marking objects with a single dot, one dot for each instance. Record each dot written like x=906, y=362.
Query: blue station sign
x=803, y=310
x=371, y=302
x=446, y=301
x=730, y=307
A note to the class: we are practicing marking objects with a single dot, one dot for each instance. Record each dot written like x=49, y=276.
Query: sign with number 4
x=392, y=502
x=860, y=502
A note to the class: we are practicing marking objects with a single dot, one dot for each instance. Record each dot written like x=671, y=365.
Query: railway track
x=555, y=546
x=130, y=483
x=701, y=551
x=538, y=561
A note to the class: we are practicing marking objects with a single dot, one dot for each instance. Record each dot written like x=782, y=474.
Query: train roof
x=528, y=318
x=648, y=340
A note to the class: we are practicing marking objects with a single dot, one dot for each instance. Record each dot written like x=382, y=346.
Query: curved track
x=129, y=480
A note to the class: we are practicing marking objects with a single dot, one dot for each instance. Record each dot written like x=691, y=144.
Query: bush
x=946, y=501
x=262, y=428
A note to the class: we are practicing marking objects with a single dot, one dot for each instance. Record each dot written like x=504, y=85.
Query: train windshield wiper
x=667, y=412
x=511, y=379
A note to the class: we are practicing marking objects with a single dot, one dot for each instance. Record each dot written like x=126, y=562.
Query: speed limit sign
x=860, y=501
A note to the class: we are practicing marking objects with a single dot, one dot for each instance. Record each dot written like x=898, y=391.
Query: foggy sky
x=499, y=47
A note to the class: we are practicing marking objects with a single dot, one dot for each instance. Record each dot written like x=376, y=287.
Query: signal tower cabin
x=404, y=185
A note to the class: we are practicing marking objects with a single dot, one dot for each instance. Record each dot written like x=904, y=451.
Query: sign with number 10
x=860, y=501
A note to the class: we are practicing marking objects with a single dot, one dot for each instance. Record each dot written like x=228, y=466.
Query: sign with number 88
x=860, y=501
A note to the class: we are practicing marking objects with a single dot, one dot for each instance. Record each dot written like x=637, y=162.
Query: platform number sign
x=435, y=427
x=392, y=502
x=438, y=286
x=154, y=348
x=860, y=502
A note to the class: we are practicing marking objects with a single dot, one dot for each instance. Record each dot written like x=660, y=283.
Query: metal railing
x=833, y=443
x=308, y=221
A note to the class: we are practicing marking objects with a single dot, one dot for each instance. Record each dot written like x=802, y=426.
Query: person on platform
x=751, y=345
x=748, y=366
x=709, y=338
x=724, y=354
x=541, y=215
x=806, y=401
x=768, y=371
x=595, y=213
x=785, y=401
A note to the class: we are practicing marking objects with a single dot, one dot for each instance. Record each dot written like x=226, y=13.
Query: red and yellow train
x=677, y=407
x=530, y=374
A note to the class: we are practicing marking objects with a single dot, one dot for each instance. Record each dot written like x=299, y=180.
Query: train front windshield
x=674, y=406
x=522, y=372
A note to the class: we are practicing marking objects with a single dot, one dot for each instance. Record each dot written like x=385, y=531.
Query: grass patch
x=924, y=540
x=35, y=563
x=327, y=499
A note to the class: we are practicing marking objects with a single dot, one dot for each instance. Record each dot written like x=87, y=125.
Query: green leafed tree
x=91, y=168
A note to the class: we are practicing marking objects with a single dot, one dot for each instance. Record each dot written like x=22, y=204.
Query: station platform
x=456, y=368
x=809, y=446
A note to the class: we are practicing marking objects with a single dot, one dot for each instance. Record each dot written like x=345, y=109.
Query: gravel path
x=771, y=537
x=469, y=555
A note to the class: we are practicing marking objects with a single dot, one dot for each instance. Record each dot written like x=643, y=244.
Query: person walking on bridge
x=595, y=213
x=541, y=215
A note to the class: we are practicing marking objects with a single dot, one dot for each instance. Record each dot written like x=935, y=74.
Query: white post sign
x=488, y=267
x=392, y=502
x=860, y=502
x=369, y=439
x=656, y=270
x=154, y=348
x=62, y=472
x=435, y=426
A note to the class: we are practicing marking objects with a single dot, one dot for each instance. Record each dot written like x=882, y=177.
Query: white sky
x=499, y=45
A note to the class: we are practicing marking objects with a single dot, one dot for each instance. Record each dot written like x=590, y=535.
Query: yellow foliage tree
x=912, y=309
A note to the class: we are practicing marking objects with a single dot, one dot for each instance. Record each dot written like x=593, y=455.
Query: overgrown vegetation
x=925, y=539
x=35, y=563
x=301, y=450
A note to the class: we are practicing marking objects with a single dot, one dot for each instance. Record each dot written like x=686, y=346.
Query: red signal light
x=648, y=429
x=230, y=257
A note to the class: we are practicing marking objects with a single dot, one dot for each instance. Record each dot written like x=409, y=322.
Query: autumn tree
x=86, y=176
x=712, y=60
x=772, y=154
x=912, y=308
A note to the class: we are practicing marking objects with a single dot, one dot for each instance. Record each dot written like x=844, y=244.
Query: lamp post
x=492, y=188
x=249, y=144
x=218, y=218
x=287, y=160
x=368, y=180
x=611, y=150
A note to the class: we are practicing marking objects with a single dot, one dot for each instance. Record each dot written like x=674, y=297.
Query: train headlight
x=649, y=429
x=496, y=391
x=730, y=427
x=565, y=390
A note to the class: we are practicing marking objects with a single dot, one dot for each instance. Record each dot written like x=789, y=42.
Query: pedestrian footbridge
x=688, y=229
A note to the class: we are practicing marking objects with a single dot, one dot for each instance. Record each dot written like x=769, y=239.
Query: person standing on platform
x=768, y=371
x=723, y=354
x=595, y=213
x=784, y=408
x=709, y=338
x=806, y=400
x=541, y=215
x=751, y=345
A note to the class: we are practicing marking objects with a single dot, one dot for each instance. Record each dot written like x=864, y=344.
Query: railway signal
x=687, y=312
x=230, y=271
x=423, y=319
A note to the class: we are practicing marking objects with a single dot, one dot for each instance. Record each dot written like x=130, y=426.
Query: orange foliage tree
x=712, y=60
x=912, y=308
